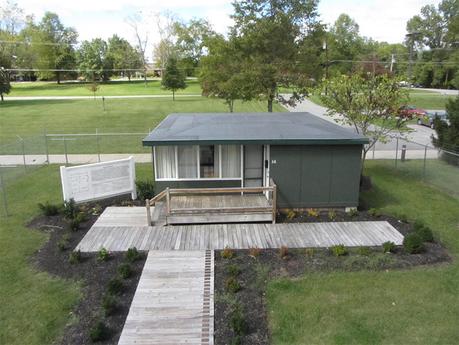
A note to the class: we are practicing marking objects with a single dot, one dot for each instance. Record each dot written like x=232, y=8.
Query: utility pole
x=327, y=62
x=410, y=38
x=392, y=61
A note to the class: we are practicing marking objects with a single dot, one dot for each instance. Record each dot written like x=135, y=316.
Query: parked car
x=410, y=111
x=429, y=117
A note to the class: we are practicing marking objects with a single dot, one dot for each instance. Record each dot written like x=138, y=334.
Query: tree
x=271, y=35
x=173, y=79
x=11, y=21
x=369, y=105
x=94, y=61
x=123, y=56
x=93, y=87
x=5, y=85
x=448, y=134
x=134, y=22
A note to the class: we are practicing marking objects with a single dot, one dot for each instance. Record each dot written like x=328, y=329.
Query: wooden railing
x=270, y=192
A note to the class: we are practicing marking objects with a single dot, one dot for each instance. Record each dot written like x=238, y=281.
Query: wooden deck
x=124, y=235
x=173, y=303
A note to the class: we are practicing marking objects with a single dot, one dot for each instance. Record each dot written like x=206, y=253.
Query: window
x=165, y=162
x=231, y=161
x=187, y=161
x=209, y=161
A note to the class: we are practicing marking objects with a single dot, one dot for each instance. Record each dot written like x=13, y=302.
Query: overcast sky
x=383, y=20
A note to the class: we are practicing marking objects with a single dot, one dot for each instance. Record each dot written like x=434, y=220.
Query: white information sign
x=100, y=180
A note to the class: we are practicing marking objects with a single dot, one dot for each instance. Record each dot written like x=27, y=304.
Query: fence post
x=425, y=160
x=98, y=145
x=147, y=205
x=396, y=153
x=374, y=148
x=23, y=154
x=65, y=152
x=5, y=202
x=46, y=145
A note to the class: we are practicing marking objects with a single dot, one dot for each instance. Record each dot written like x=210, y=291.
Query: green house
x=314, y=163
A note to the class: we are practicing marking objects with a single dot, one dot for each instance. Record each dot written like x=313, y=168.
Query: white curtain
x=231, y=161
x=187, y=161
x=165, y=162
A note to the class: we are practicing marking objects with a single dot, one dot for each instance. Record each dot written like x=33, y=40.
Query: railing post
x=168, y=202
x=147, y=205
x=46, y=146
x=274, y=201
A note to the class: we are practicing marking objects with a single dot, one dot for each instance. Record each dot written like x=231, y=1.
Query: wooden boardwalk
x=173, y=303
x=238, y=236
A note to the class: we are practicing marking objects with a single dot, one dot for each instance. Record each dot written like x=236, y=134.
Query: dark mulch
x=93, y=274
x=255, y=272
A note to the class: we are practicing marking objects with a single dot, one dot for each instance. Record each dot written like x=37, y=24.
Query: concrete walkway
x=174, y=300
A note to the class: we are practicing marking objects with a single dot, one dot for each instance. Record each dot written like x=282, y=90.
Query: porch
x=213, y=205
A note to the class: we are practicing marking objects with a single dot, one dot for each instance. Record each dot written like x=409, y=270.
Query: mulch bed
x=93, y=274
x=254, y=272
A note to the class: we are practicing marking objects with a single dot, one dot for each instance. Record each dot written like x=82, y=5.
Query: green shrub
x=99, y=332
x=353, y=212
x=71, y=209
x=238, y=323
x=413, y=243
x=227, y=253
x=232, y=285
x=133, y=255
x=109, y=304
x=363, y=251
x=423, y=231
x=75, y=222
x=374, y=212
x=291, y=214
x=338, y=250
x=75, y=257
x=103, y=254
x=283, y=252
x=233, y=270
x=125, y=270
x=309, y=252
x=312, y=212
x=418, y=225
x=48, y=209
x=62, y=244
x=145, y=189
x=254, y=252
x=115, y=286
x=331, y=215
x=388, y=247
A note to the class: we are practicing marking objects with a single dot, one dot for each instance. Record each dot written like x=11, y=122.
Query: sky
x=382, y=20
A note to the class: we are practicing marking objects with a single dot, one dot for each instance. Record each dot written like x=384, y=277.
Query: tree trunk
x=173, y=95
x=1, y=96
x=145, y=77
x=58, y=76
x=270, y=105
x=231, y=105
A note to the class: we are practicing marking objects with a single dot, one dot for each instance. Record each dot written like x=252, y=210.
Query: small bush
x=353, y=212
x=403, y=218
x=99, y=332
x=331, y=215
x=48, y=209
x=338, y=250
x=423, y=231
x=233, y=270
x=96, y=210
x=103, y=254
x=254, y=252
x=374, y=212
x=291, y=214
x=238, y=323
x=75, y=257
x=133, y=255
x=388, y=247
x=75, y=222
x=62, y=244
x=309, y=252
x=109, y=304
x=115, y=286
x=312, y=212
x=125, y=270
x=413, y=243
x=227, y=253
x=283, y=252
x=145, y=189
x=232, y=285
x=70, y=209
x=363, y=251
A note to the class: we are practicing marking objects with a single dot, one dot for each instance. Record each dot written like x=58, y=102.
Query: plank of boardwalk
x=169, y=304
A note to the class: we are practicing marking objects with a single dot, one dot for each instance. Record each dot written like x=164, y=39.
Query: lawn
x=34, y=307
x=417, y=306
x=111, y=88
x=29, y=119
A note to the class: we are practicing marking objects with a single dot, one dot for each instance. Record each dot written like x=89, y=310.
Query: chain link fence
x=20, y=157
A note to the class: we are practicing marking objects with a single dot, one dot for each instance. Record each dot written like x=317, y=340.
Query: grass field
x=112, y=88
x=34, y=307
x=29, y=119
x=417, y=306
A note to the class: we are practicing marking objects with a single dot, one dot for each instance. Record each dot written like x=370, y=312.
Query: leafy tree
x=163, y=50
x=11, y=21
x=173, y=79
x=448, y=134
x=5, y=85
x=123, y=56
x=271, y=35
x=94, y=60
x=368, y=105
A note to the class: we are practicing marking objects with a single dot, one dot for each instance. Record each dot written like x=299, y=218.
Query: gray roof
x=246, y=128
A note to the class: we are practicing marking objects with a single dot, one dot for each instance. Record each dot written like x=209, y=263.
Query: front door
x=253, y=165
